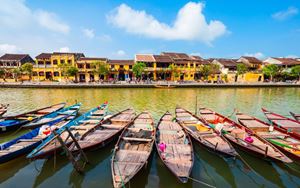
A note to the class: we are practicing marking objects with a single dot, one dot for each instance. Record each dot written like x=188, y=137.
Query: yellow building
x=49, y=66
x=88, y=66
x=120, y=69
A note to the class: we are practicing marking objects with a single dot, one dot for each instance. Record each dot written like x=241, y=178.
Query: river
x=209, y=168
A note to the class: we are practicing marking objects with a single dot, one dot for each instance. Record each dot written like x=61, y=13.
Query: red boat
x=284, y=141
x=296, y=116
x=286, y=124
x=243, y=138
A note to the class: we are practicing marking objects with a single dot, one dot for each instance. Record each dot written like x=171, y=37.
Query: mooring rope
x=201, y=182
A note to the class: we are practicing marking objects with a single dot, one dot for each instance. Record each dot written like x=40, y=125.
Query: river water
x=208, y=168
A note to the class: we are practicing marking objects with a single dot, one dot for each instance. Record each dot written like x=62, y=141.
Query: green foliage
x=138, y=69
x=100, y=68
x=210, y=69
x=63, y=69
x=72, y=71
x=174, y=70
x=2, y=73
x=241, y=68
x=295, y=71
x=16, y=73
x=271, y=70
x=27, y=69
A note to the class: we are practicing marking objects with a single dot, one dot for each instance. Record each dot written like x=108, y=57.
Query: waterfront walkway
x=141, y=85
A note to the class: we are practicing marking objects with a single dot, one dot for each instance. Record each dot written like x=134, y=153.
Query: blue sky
x=120, y=29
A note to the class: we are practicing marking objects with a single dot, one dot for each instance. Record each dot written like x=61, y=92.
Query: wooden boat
x=284, y=141
x=204, y=134
x=10, y=123
x=133, y=149
x=167, y=86
x=243, y=138
x=27, y=142
x=296, y=116
x=284, y=123
x=3, y=109
x=179, y=155
x=52, y=118
x=51, y=145
x=101, y=134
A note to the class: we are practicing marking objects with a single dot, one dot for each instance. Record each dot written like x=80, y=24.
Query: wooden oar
x=283, y=145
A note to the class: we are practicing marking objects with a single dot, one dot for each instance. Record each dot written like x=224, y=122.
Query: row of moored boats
x=278, y=140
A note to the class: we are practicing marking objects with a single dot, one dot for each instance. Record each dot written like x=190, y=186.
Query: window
x=112, y=66
x=80, y=66
x=88, y=66
x=40, y=62
x=121, y=66
x=69, y=61
x=41, y=73
x=130, y=66
x=48, y=63
x=34, y=73
x=56, y=73
x=54, y=62
x=62, y=61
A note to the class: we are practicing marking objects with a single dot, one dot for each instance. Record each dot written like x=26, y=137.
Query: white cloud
x=121, y=53
x=64, y=49
x=258, y=55
x=15, y=14
x=190, y=24
x=89, y=33
x=51, y=21
x=292, y=56
x=285, y=14
x=8, y=48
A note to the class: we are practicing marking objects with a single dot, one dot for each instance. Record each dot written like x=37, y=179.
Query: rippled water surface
x=209, y=168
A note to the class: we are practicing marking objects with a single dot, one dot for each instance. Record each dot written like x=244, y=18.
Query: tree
x=16, y=73
x=295, y=71
x=138, y=69
x=205, y=71
x=271, y=70
x=241, y=68
x=73, y=71
x=63, y=68
x=27, y=69
x=2, y=74
x=174, y=70
x=101, y=68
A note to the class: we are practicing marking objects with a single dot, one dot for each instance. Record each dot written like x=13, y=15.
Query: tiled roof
x=288, y=61
x=195, y=58
x=174, y=55
x=252, y=60
x=203, y=62
x=144, y=58
x=77, y=55
x=227, y=62
x=44, y=56
x=121, y=62
x=92, y=59
x=162, y=59
x=13, y=57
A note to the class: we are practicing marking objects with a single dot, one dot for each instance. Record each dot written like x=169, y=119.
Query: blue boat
x=27, y=142
x=10, y=123
x=52, y=145
x=51, y=118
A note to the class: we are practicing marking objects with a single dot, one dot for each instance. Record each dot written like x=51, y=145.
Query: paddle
x=283, y=145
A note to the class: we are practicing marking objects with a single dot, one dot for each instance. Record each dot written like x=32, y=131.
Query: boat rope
x=205, y=170
x=119, y=171
x=201, y=182
x=36, y=167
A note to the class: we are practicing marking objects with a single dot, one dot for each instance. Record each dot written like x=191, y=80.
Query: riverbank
x=142, y=85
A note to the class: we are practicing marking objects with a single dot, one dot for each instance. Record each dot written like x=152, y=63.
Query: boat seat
x=113, y=126
x=204, y=132
x=137, y=139
x=83, y=127
x=29, y=140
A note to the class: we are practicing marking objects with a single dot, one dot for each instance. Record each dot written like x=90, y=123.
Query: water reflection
x=207, y=167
